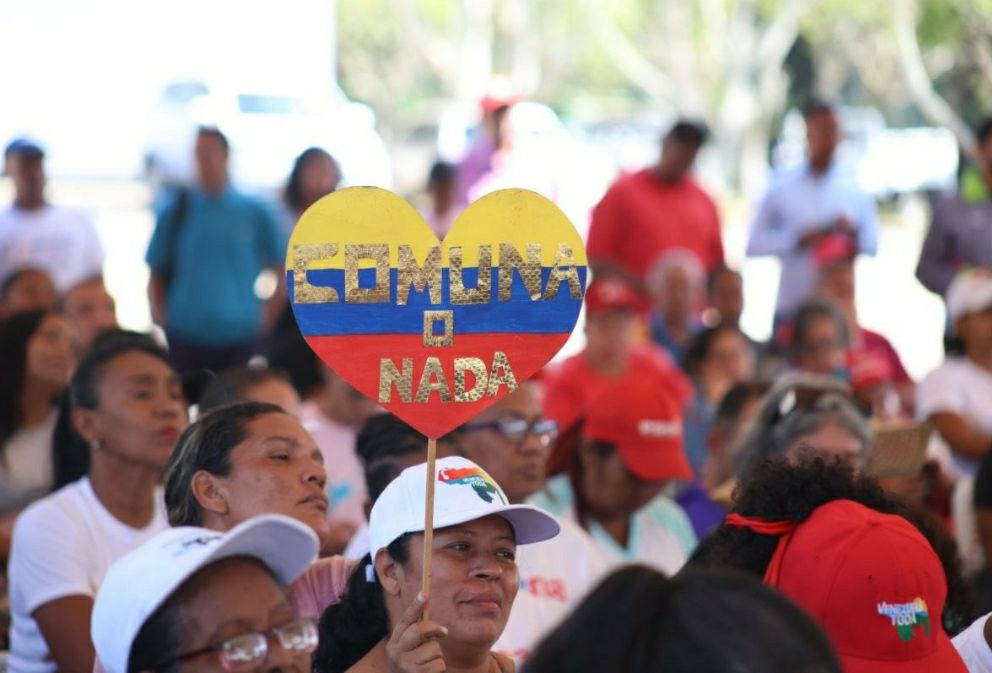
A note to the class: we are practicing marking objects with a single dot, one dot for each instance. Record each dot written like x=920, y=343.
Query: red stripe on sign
x=402, y=360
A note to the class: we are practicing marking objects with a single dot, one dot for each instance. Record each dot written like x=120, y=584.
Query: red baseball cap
x=644, y=422
x=491, y=103
x=611, y=294
x=834, y=248
x=874, y=583
x=868, y=369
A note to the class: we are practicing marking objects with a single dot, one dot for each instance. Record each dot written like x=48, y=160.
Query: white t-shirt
x=62, y=241
x=63, y=546
x=961, y=387
x=973, y=648
x=26, y=466
x=660, y=536
x=554, y=576
x=345, y=476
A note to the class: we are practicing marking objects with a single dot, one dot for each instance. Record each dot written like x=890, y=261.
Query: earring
x=95, y=445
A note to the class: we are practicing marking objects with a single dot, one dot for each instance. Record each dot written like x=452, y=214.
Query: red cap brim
x=945, y=659
x=656, y=461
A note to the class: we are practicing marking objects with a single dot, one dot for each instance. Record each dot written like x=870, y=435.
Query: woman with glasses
x=611, y=470
x=805, y=414
x=512, y=441
x=194, y=599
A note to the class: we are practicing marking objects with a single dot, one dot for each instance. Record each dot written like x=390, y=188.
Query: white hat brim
x=530, y=524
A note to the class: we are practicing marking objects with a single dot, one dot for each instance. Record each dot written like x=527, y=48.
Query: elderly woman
x=805, y=414
x=193, y=599
x=475, y=579
x=676, y=284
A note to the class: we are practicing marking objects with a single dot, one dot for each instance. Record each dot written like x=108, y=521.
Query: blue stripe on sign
x=338, y=319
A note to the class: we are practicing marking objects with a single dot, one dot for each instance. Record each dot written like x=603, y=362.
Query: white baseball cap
x=971, y=291
x=138, y=583
x=462, y=492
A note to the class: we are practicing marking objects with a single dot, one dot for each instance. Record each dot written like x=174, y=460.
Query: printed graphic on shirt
x=481, y=483
x=551, y=588
x=907, y=617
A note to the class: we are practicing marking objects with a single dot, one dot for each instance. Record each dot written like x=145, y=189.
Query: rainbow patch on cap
x=481, y=483
x=907, y=617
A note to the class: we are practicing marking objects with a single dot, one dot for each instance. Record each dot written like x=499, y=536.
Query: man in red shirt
x=643, y=214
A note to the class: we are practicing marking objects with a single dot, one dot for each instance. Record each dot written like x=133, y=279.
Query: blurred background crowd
x=787, y=209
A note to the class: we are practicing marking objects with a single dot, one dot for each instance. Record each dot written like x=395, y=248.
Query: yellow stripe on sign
x=361, y=216
x=518, y=217
x=370, y=216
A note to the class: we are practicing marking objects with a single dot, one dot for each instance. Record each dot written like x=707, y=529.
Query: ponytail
x=351, y=628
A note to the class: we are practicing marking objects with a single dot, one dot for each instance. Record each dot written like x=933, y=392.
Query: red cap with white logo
x=645, y=424
x=872, y=581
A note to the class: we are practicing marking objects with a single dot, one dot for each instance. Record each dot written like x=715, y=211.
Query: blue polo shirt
x=223, y=243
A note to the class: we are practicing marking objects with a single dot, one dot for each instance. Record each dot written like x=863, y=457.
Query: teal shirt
x=661, y=513
x=224, y=242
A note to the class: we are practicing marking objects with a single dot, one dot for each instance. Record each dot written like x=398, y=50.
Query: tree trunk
x=918, y=80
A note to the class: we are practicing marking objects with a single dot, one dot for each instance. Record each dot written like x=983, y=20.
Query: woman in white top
x=36, y=360
x=127, y=407
x=955, y=396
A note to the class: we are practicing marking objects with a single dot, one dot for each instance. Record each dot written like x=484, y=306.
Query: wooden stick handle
x=429, y=523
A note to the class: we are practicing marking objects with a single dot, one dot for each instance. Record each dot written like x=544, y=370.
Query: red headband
x=760, y=525
x=783, y=528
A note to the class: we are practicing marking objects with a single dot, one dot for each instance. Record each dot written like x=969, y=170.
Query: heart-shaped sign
x=435, y=331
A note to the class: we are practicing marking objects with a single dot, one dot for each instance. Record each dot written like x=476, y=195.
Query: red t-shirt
x=877, y=344
x=641, y=217
x=571, y=386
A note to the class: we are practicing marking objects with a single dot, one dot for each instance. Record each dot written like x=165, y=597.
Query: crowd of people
x=675, y=497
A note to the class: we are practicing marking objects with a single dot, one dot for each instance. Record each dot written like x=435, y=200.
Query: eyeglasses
x=805, y=398
x=516, y=430
x=245, y=651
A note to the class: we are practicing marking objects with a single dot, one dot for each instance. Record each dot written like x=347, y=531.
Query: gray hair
x=781, y=420
x=676, y=258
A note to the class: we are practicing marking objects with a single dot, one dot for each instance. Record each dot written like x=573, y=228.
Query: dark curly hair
x=782, y=490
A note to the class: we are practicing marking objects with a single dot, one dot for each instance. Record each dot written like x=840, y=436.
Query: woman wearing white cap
x=196, y=598
x=954, y=397
x=376, y=627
